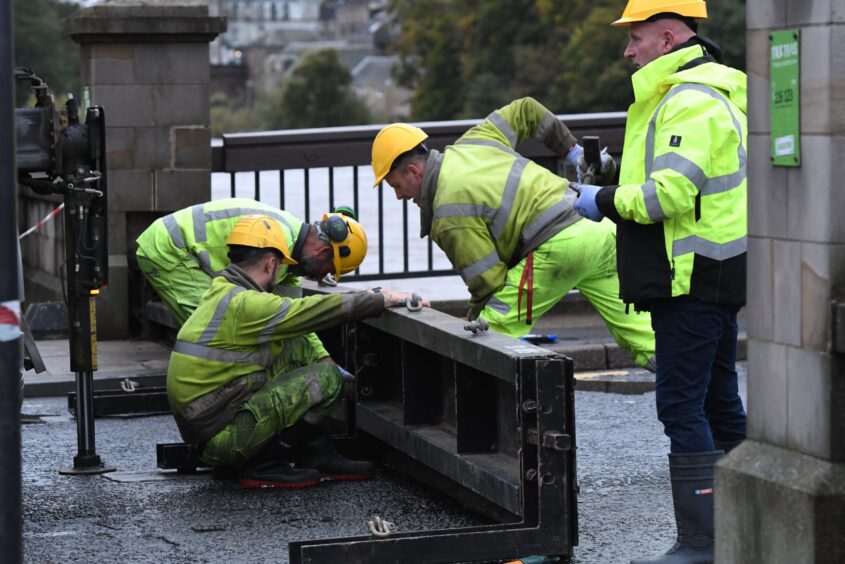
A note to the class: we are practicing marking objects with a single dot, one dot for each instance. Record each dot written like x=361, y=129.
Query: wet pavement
x=624, y=504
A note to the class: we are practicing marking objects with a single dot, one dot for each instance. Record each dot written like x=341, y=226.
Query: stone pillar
x=780, y=497
x=148, y=67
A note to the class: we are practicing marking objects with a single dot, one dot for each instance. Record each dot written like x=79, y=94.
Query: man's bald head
x=649, y=40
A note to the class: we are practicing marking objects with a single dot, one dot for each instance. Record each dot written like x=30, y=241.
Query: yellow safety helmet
x=641, y=10
x=392, y=141
x=260, y=232
x=348, y=240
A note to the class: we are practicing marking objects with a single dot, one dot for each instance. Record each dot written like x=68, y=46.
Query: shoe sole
x=260, y=485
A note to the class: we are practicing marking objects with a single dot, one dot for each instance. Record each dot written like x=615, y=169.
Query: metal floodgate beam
x=492, y=414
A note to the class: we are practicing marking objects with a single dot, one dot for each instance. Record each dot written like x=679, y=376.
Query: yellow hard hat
x=641, y=10
x=392, y=141
x=348, y=240
x=260, y=232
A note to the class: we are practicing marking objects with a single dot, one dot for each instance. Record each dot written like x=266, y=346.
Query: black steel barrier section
x=332, y=147
x=492, y=414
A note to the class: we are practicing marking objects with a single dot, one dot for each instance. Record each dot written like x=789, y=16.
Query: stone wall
x=781, y=496
x=148, y=67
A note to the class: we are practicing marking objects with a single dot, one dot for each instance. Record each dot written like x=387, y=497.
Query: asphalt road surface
x=624, y=504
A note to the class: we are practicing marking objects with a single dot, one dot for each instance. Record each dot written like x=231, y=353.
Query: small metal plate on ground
x=134, y=476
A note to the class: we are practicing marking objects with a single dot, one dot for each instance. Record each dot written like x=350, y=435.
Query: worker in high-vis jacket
x=181, y=252
x=680, y=211
x=245, y=384
x=507, y=224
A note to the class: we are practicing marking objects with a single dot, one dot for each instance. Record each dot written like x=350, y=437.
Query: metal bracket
x=549, y=524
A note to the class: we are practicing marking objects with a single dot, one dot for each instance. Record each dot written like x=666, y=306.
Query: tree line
x=460, y=58
x=463, y=58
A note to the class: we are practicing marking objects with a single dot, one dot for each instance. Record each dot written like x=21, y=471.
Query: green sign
x=786, y=122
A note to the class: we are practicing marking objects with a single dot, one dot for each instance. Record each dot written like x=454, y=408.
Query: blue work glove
x=586, y=202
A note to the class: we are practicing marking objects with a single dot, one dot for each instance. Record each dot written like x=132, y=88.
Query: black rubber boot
x=271, y=468
x=318, y=451
x=692, y=494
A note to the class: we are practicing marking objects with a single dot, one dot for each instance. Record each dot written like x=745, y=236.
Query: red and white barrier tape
x=10, y=315
x=47, y=218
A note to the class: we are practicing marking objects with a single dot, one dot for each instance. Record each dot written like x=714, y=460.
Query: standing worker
x=680, y=210
x=245, y=384
x=508, y=225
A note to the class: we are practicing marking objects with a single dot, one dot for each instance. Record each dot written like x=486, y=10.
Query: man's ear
x=668, y=40
x=268, y=263
x=415, y=169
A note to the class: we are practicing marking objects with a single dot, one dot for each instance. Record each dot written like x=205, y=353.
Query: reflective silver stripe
x=652, y=204
x=502, y=125
x=681, y=165
x=489, y=143
x=220, y=355
x=200, y=235
x=500, y=221
x=729, y=181
x=498, y=306
x=546, y=124
x=216, y=215
x=217, y=319
x=174, y=231
x=267, y=332
x=709, y=249
x=480, y=267
x=550, y=215
x=315, y=390
x=464, y=210
x=204, y=260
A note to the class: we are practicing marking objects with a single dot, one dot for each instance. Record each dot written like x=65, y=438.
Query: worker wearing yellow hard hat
x=507, y=225
x=680, y=209
x=245, y=384
x=181, y=252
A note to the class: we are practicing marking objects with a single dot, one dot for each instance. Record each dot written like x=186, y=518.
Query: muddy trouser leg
x=308, y=392
x=584, y=256
x=180, y=287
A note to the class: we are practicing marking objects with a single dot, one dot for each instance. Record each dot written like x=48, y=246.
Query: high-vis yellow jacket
x=200, y=231
x=486, y=205
x=680, y=207
x=222, y=353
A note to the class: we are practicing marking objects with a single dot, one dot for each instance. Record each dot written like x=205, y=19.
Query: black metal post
x=11, y=354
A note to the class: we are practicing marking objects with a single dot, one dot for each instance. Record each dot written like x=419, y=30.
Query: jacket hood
x=662, y=73
x=729, y=80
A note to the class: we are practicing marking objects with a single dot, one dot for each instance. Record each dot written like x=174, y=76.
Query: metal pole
x=11, y=344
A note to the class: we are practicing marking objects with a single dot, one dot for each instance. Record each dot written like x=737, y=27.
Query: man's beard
x=309, y=266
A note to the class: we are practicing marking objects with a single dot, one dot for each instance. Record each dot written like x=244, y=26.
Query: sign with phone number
x=785, y=104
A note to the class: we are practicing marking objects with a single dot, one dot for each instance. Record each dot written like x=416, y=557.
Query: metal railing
x=308, y=170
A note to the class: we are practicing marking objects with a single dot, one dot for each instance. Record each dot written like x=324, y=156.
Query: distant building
x=373, y=82
x=266, y=38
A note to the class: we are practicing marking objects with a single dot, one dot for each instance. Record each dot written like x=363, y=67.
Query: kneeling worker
x=508, y=225
x=244, y=383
